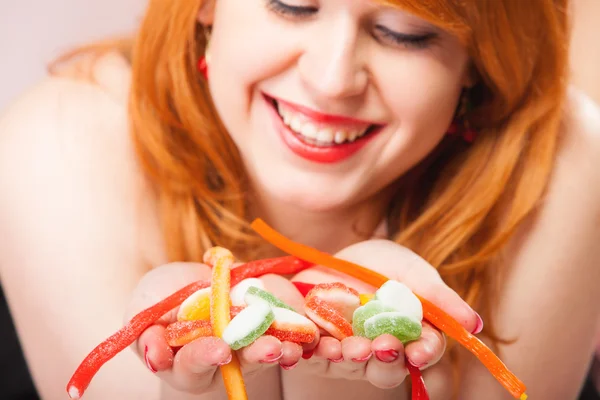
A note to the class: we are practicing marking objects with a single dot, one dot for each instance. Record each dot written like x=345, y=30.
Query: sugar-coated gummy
x=251, y=323
x=254, y=294
x=363, y=313
x=398, y=295
x=402, y=327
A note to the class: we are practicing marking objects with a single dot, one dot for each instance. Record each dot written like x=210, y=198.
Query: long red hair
x=470, y=199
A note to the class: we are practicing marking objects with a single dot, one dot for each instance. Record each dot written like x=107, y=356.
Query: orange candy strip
x=221, y=261
x=431, y=312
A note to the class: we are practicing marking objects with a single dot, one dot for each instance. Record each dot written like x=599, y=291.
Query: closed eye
x=284, y=9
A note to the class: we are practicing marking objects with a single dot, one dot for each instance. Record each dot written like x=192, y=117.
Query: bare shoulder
x=78, y=224
x=580, y=142
x=68, y=138
x=574, y=190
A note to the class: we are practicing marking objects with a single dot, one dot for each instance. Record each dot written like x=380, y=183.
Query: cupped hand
x=382, y=361
x=193, y=368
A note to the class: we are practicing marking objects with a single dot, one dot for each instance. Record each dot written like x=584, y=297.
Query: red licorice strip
x=124, y=338
x=303, y=287
x=180, y=333
x=287, y=265
x=419, y=390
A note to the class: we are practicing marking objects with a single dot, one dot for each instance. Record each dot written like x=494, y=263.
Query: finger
x=386, y=368
x=356, y=351
x=428, y=350
x=292, y=352
x=329, y=349
x=402, y=264
x=266, y=350
x=162, y=282
x=195, y=364
x=153, y=349
x=309, y=348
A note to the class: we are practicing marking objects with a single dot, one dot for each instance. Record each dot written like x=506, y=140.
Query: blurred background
x=32, y=32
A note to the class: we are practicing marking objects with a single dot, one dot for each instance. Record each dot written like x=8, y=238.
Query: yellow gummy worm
x=221, y=261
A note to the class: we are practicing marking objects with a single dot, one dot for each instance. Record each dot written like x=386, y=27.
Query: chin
x=313, y=198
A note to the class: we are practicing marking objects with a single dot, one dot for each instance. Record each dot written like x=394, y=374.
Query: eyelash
x=407, y=40
x=290, y=11
x=400, y=39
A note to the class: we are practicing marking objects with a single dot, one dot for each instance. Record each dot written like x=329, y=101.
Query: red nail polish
x=308, y=354
x=479, y=325
x=416, y=365
x=226, y=361
x=338, y=360
x=288, y=367
x=147, y=359
x=363, y=359
x=271, y=358
x=386, y=356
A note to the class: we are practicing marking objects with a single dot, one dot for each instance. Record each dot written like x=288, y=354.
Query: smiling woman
x=442, y=127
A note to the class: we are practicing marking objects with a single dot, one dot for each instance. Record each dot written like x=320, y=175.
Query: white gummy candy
x=397, y=295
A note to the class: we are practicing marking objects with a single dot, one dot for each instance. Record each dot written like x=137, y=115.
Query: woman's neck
x=328, y=231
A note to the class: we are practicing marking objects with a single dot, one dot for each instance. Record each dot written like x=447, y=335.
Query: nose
x=332, y=64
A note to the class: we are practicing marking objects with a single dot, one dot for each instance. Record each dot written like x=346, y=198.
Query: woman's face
x=329, y=101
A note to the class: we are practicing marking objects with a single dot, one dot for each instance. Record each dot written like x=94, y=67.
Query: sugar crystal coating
x=365, y=312
x=404, y=328
x=247, y=326
x=255, y=294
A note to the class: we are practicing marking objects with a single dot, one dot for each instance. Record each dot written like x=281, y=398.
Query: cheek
x=422, y=93
x=243, y=55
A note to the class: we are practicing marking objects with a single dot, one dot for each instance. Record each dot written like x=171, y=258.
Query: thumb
x=160, y=283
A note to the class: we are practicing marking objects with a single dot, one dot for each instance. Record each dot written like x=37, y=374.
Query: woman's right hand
x=193, y=368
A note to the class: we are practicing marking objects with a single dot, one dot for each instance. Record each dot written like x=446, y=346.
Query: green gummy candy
x=254, y=294
x=402, y=327
x=250, y=324
x=363, y=313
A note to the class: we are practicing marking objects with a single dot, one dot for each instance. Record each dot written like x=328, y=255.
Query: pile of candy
x=333, y=307
x=235, y=306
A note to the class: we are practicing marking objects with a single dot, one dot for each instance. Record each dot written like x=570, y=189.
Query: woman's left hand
x=382, y=361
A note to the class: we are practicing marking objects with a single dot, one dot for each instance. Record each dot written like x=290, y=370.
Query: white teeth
x=308, y=130
x=325, y=135
x=328, y=136
x=295, y=124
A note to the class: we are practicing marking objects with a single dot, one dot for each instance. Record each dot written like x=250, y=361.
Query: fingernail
x=288, y=367
x=147, y=359
x=386, y=356
x=337, y=360
x=479, y=325
x=363, y=359
x=308, y=354
x=226, y=361
x=271, y=358
x=416, y=365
